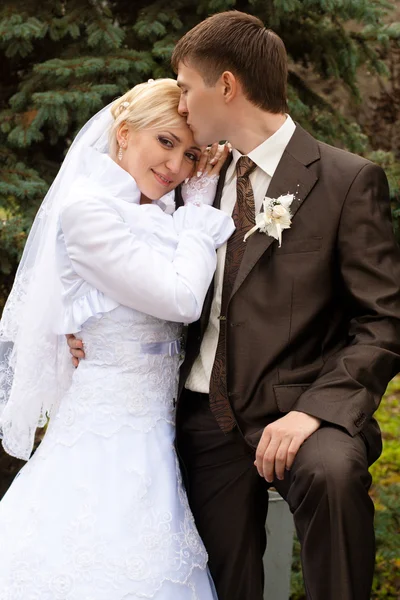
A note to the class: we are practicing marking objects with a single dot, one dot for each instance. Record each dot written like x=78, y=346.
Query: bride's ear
x=123, y=135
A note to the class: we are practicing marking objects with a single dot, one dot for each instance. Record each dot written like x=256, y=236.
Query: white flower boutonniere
x=274, y=218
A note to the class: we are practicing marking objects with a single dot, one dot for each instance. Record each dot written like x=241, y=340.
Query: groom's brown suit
x=312, y=326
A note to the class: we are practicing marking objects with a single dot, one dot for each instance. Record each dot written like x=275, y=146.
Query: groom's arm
x=352, y=382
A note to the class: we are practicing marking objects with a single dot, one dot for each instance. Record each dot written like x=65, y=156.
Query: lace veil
x=35, y=367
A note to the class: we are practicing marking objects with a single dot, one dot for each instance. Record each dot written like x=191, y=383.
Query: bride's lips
x=162, y=179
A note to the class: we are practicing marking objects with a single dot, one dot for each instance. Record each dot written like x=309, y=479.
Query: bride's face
x=158, y=159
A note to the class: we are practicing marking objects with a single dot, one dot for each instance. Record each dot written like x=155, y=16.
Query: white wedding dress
x=99, y=512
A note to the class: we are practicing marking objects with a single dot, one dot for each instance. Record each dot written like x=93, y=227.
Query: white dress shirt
x=266, y=156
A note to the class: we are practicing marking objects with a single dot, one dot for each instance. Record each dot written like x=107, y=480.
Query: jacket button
x=360, y=420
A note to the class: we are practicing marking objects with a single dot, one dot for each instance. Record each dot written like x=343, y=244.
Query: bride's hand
x=201, y=187
x=212, y=159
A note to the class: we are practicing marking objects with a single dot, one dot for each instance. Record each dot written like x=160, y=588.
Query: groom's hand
x=75, y=348
x=280, y=443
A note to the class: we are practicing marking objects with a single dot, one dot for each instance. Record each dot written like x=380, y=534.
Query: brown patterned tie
x=244, y=218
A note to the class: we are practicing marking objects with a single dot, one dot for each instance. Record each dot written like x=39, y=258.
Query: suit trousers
x=326, y=489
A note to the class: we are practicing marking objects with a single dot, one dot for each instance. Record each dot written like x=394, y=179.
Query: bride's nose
x=174, y=163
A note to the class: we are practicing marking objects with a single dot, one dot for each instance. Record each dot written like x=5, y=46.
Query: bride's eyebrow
x=178, y=139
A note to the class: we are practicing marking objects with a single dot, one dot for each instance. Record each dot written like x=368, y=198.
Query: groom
x=297, y=340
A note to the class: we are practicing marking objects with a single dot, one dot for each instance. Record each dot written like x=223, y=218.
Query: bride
x=99, y=511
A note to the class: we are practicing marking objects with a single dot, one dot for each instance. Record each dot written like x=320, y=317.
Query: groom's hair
x=237, y=42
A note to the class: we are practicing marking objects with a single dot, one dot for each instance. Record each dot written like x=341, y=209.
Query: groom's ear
x=230, y=86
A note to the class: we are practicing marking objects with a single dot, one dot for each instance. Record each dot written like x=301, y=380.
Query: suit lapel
x=205, y=315
x=221, y=182
x=291, y=176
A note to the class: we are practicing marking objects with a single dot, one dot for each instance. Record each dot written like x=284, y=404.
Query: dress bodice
x=122, y=381
x=123, y=337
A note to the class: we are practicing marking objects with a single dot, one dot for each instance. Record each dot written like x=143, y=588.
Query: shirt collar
x=268, y=154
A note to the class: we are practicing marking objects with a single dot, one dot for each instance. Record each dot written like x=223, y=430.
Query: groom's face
x=202, y=105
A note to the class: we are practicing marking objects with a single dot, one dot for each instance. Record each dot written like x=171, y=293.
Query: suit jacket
x=314, y=325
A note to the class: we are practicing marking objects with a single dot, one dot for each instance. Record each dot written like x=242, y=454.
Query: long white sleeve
x=125, y=267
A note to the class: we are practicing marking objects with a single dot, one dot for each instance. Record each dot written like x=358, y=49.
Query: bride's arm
x=105, y=253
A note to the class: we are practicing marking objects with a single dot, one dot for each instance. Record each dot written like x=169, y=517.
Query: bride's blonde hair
x=147, y=106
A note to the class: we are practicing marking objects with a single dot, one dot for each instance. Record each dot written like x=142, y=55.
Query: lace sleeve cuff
x=200, y=190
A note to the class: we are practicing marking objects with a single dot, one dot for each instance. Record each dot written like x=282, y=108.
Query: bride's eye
x=192, y=156
x=165, y=142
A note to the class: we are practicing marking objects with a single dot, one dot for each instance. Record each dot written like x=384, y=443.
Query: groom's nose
x=182, y=107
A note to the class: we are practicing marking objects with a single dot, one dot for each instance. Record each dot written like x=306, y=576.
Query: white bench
x=278, y=555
